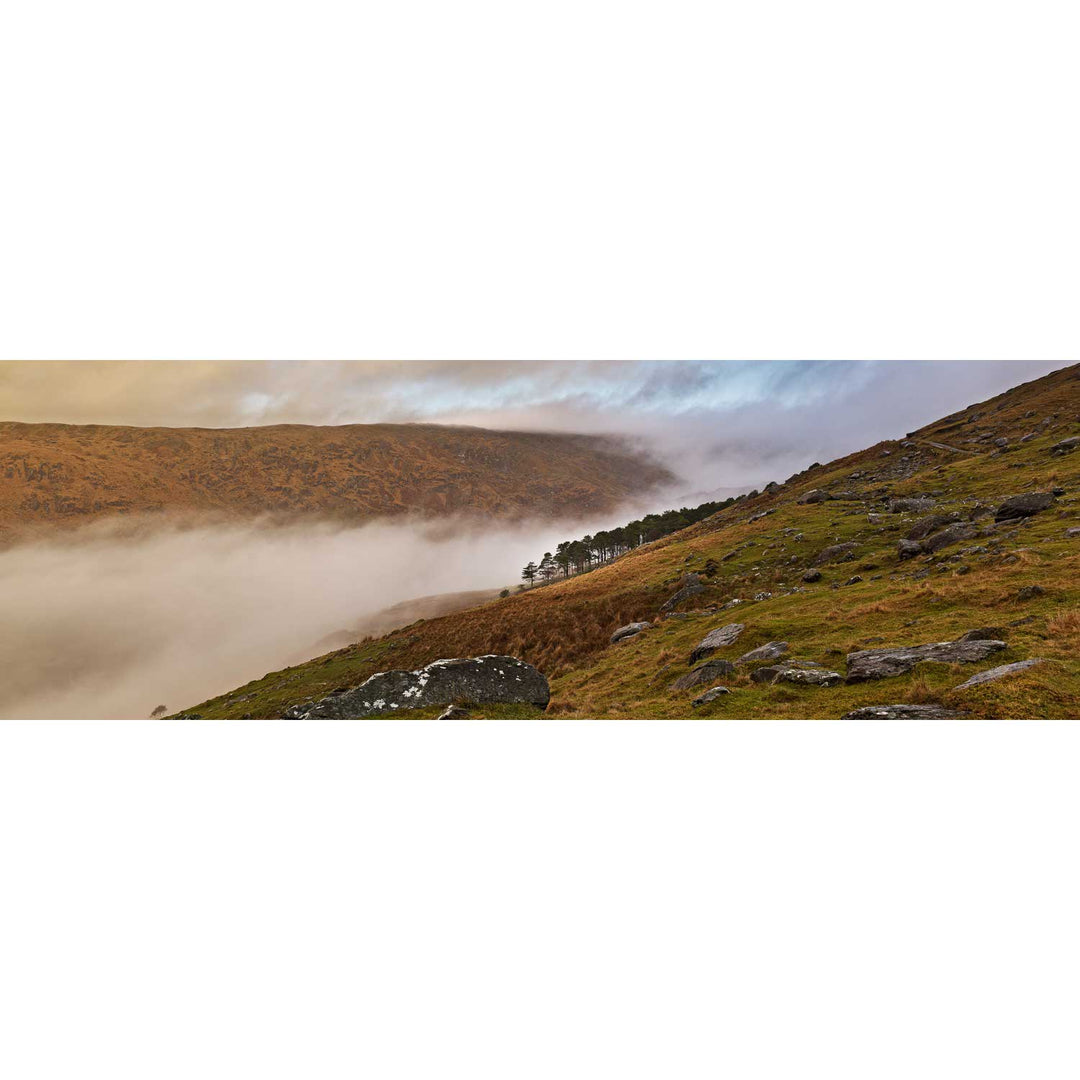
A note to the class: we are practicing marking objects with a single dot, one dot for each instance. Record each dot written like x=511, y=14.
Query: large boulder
x=708, y=672
x=998, y=672
x=914, y=504
x=815, y=496
x=716, y=639
x=952, y=535
x=835, y=553
x=1066, y=446
x=903, y=712
x=480, y=680
x=691, y=586
x=908, y=549
x=925, y=526
x=772, y=651
x=884, y=663
x=629, y=631
x=1022, y=506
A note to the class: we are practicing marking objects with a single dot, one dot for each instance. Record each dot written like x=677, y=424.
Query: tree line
x=577, y=556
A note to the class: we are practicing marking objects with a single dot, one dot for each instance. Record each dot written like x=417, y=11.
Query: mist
x=111, y=621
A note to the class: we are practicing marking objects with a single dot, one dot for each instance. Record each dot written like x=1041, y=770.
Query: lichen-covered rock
x=951, y=535
x=914, y=504
x=815, y=496
x=1066, y=446
x=710, y=696
x=908, y=549
x=802, y=676
x=1021, y=506
x=708, y=672
x=629, y=631
x=692, y=589
x=716, y=639
x=1030, y=592
x=480, y=680
x=884, y=663
x=811, y=576
x=903, y=712
x=772, y=651
x=998, y=672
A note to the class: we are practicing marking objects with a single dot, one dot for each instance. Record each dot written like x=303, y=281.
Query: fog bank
x=108, y=622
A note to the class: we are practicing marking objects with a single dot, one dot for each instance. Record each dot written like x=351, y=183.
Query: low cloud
x=103, y=623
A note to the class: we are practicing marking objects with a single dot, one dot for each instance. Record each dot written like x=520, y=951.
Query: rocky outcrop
x=884, y=663
x=925, y=526
x=708, y=672
x=629, y=631
x=915, y=504
x=998, y=672
x=1022, y=506
x=908, y=549
x=951, y=535
x=716, y=639
x=772, y=651
x=815, y=496
x=1066, y=446
x=904, y=712
x=481, y=680
x=691, y=586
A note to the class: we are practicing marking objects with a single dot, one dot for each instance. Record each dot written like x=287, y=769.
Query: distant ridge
x=64, y=474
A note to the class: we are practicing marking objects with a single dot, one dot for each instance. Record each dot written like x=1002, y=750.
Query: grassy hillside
x=62, y=474
x=761, y=547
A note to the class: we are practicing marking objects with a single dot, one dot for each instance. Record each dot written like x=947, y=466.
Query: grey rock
x=915, y=504
x=836, y=553
x=1072, y=533
x=763, y=596
x=685, y=593
x=801, y=676
x=1030, y=592
x=708, y=672
x=908, y=549
x=1066, y=446
x=903, y=712
x=1021, y=506
x=925, y=526
x=997, y=672
x=952, y=535
x=771, y=651
x=629, y=631
x=815, y=496
x=812, y=575
x=885, y=663
x=710, y=696
x=480, y=680
x=716, y=639
x=853, y=580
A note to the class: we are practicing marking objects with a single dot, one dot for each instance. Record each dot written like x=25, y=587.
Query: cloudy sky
x=716, y=423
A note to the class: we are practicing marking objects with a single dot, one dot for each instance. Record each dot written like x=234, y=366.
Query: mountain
x=62, y=474
x=859, y=568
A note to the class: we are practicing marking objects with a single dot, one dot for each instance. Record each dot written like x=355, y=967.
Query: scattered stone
x=763, y=596
x=903, y=712
x=853, y=580
x=1022, y=506
x=984, y=633
x=708, y=672
x=710, y=696
x=481, y=680
x=772, y=651
x=999, y=672
x=1072, y=533
x=629, y=631
x=1029, y=592
x=885, y=663
x=716, y=639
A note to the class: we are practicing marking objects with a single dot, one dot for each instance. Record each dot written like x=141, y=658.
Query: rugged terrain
x=61, y=474
x=891, y=576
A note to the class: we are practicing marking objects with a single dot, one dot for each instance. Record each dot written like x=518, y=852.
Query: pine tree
x=529, y=573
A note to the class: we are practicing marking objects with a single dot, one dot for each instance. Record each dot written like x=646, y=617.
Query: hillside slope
x=61, y=474
x=1017, y=580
